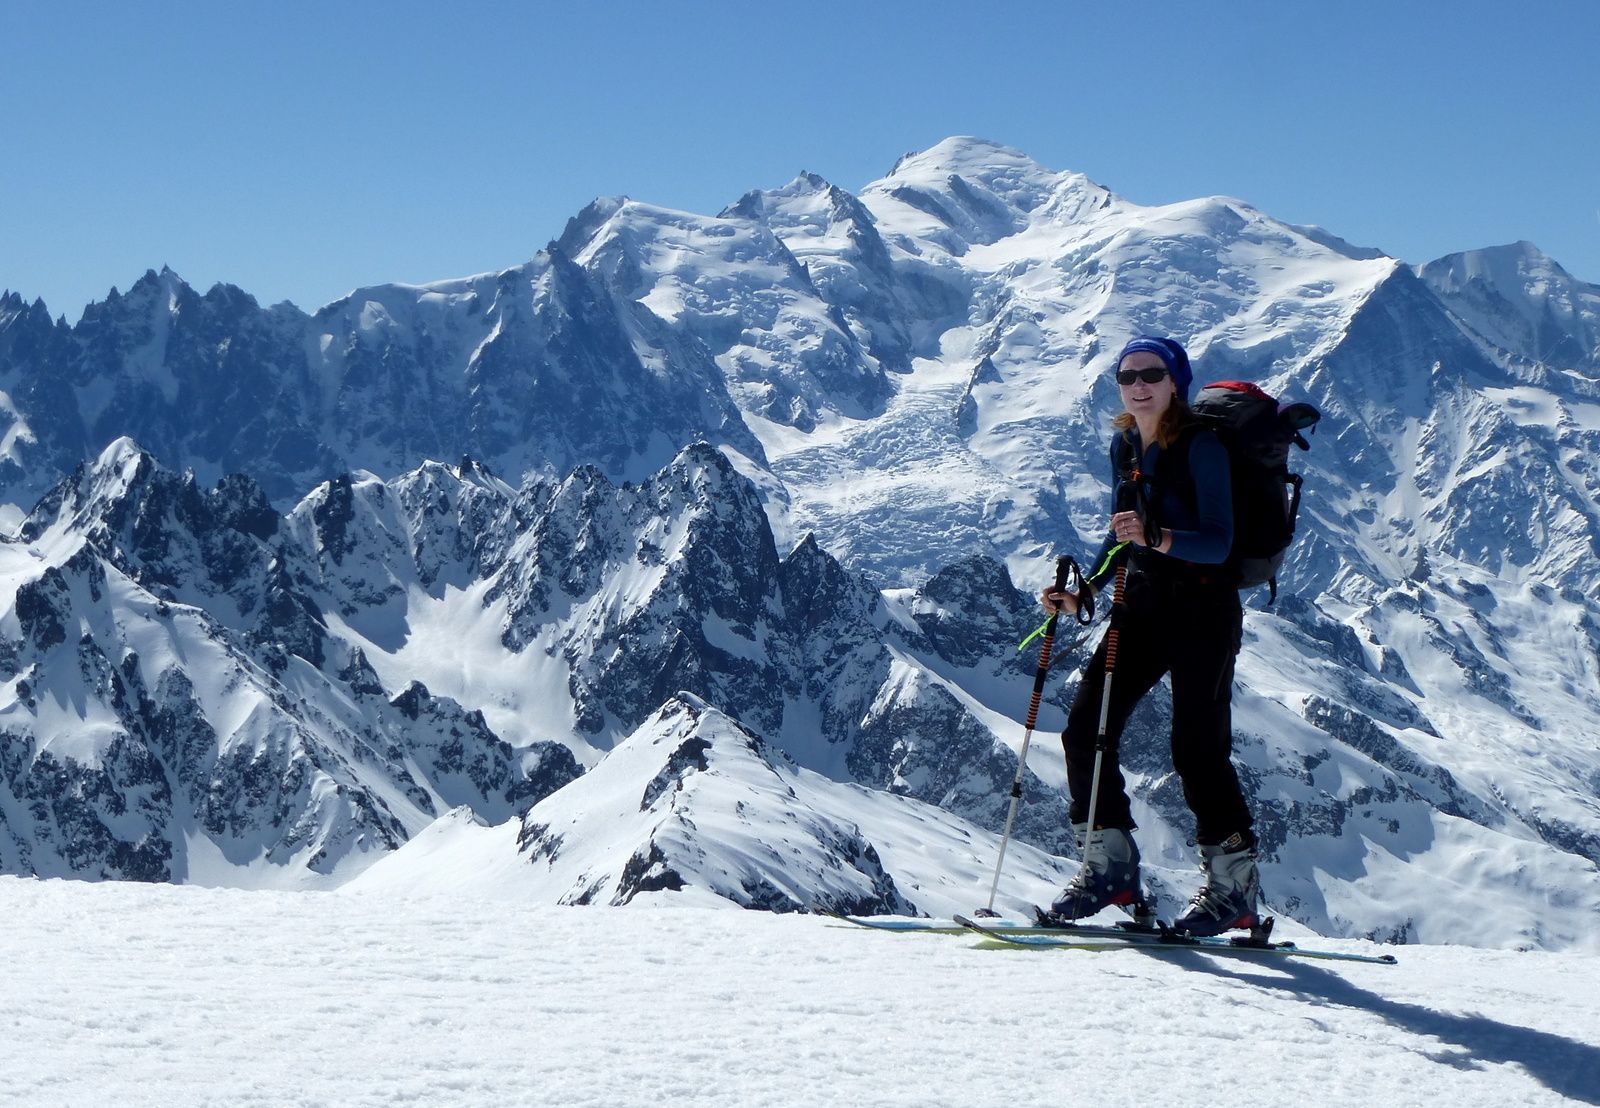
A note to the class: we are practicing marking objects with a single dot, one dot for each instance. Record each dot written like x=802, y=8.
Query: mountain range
x=691, y=558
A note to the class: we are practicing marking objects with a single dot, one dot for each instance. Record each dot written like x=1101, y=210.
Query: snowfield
x=138, y=994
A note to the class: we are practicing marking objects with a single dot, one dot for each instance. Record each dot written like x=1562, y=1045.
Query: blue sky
x=302, y=149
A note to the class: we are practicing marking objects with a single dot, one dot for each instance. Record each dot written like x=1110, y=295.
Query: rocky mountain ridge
x=904, y=390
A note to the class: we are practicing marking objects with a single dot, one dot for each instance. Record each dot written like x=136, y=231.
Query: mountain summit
x=284, y=589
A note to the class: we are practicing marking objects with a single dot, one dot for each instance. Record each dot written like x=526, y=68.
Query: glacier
x=285, y=591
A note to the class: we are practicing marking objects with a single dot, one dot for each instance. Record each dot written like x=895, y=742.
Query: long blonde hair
x=1177, y=416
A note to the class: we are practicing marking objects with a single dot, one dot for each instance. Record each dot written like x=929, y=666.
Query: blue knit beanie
x=1173, y=356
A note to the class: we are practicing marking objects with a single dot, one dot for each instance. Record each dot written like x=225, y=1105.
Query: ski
x=1160, y=940
x=952, y=927
x=1092, y=936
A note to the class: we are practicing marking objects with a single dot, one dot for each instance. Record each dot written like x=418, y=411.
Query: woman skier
x=1172, y=525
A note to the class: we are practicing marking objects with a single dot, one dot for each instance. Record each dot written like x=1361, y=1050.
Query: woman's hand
x=1063, y=601
x=1128, y=527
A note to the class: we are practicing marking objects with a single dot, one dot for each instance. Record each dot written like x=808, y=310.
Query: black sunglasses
x=1149, y=375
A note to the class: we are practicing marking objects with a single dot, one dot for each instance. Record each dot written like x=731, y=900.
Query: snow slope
x=162, y=996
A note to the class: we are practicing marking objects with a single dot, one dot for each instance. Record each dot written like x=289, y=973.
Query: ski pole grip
x=1069, y=576
x=1064, y=568
x=1127, y=498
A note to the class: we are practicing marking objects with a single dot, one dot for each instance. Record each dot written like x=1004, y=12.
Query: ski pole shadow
x=1564, y=1066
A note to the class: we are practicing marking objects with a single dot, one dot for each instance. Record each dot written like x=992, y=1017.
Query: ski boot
x=1230, y=896
x=1108, y=875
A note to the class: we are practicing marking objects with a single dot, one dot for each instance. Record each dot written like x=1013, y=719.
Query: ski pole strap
x=1037, y=631
x=1085, y=613
x=1141, y=504
x=1111, y=556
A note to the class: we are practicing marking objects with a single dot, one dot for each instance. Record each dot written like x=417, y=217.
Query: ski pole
x=1125, y=495
x=1065, y=568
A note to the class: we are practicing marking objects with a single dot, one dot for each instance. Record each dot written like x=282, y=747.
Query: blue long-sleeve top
x=1193, y=501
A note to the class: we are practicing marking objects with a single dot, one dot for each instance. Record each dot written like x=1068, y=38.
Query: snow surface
x=169, y=995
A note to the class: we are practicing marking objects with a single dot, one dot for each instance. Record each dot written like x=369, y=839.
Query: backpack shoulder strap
x=1175, y=459
x=1122, y=460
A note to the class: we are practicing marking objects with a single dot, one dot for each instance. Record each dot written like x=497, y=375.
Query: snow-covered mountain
x=535, y=369
x=802, y=461
x=1521, y=301
x=694, y=804
x=357, y=662
x=176, y=711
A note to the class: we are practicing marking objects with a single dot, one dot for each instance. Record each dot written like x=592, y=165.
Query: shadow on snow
x=1564, y=1066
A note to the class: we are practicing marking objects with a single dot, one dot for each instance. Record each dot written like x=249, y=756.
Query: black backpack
x=1257, y=431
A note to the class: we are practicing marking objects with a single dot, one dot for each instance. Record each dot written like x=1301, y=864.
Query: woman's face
x=1146, y=400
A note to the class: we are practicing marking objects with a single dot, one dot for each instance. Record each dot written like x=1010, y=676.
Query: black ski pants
x=1191, y=631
